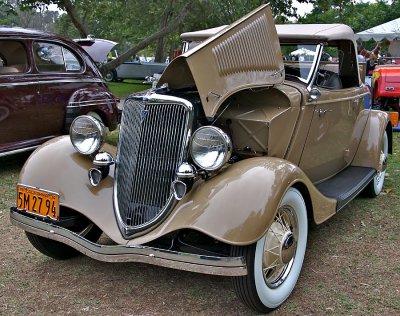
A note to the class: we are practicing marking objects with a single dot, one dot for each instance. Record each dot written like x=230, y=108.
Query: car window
x=338, y=68
x=12, y=57
x=50, y=57
x=298, y=60
x=328, y=74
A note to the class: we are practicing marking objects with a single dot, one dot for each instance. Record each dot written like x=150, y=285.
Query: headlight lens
x=87, y=134
x=211, y=147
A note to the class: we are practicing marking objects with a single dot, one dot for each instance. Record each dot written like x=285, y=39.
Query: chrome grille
x=152, y=144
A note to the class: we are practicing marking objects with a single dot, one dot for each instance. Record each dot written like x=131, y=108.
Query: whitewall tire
x=275, y=261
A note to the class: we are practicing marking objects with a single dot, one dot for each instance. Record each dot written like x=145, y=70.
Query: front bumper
x=228, y=266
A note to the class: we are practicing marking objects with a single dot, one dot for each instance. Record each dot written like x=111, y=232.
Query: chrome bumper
x=228, y=266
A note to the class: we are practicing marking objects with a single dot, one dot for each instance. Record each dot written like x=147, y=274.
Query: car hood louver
x=245, y=54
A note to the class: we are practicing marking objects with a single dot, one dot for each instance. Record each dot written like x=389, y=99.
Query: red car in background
x=386, y=86
x=46, y=81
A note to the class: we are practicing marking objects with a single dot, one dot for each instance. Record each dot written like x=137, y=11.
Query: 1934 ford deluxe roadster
x=250, y=135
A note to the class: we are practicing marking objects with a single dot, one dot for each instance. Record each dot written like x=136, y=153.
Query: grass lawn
x=126, y=87
x=351, y=267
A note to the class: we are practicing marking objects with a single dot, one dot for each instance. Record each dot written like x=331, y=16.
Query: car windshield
x=298, y=60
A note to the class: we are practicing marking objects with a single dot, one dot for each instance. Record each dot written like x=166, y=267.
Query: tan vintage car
x=249, y=136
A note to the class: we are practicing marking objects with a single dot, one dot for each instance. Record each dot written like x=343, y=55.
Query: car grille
x=152, y=144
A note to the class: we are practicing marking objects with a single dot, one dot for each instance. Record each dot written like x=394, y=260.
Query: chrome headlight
x=211, y=148
x=87, y=134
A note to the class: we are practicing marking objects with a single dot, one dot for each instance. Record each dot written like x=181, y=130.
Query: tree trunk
x=159, y=56
x=76, y=20
x=144, y=43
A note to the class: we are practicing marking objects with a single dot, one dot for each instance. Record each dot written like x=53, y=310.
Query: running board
x=346, y=185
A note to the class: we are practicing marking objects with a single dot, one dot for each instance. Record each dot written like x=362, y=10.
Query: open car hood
x=97, y=48
x=245, y=54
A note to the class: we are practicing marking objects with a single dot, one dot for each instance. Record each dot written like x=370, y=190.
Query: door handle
x=322, y=112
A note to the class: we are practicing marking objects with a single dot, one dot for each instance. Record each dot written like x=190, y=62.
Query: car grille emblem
x=143, y=115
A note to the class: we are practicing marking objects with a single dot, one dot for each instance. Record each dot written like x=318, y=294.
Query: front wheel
x=58, y=250
x=274, y=262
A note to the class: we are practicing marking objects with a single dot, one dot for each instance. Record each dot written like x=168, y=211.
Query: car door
x=328, y=146
x=59, y=75
x=18, y=96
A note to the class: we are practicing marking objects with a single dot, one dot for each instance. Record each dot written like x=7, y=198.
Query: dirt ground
x=352, y=267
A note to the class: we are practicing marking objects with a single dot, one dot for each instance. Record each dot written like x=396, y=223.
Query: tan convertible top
x=245, y=54
x=325, y=32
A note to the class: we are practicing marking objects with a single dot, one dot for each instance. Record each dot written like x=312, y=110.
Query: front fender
x=238, y=205
x=58, y=167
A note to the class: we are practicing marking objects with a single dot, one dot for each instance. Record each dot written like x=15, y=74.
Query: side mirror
x=314, y=94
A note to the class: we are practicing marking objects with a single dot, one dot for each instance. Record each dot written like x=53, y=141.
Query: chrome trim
x=186, y=171
x=100, y=128
x=227, y=143
x=79, y=104
x=40, y=82
x=132, y=231
x=179, y=193
x=95, y=176
x=314, y=68
x=103, y=159
x=17, y=151
x=227, y=266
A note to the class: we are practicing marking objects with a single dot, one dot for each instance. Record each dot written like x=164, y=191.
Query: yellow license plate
x=36, y=201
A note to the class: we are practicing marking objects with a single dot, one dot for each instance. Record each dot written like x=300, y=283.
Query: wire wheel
x=280, y=247
x=274, y=262
x=375, y=187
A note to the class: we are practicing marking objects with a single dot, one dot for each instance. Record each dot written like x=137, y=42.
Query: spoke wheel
x=280, y=247
x=375, y=187
x=274, y=262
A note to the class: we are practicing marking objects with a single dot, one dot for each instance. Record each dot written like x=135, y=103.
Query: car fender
x=238, y=205
x=370, y=146
x=94, y=99
x=56, y=166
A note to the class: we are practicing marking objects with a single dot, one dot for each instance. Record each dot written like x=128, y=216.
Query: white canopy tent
x=302, y=51
x=389, y=30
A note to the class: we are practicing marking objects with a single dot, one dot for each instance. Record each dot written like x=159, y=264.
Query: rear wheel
x=58, y=250
x=376, y=185
x=274, y=262
x=110, y=76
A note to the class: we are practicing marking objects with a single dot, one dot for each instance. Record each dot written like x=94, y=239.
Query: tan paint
x=255, y=118
x=370, y=147
x=329, y=137
x=253, y=36
x=58, y=167
x=246, y=193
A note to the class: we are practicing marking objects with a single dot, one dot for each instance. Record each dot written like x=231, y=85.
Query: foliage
x=359, y=15
x=130, y=22
x=13, y=15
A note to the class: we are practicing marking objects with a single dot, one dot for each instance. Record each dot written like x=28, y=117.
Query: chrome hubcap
x=280, y=247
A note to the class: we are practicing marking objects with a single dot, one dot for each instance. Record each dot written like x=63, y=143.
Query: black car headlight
x=210, y=147
x=87, y=134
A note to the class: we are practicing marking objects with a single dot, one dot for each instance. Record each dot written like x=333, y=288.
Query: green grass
x=125, y=88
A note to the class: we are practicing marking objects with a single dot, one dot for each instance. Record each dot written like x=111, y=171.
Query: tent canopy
x=389, y=30
x=302, y=51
